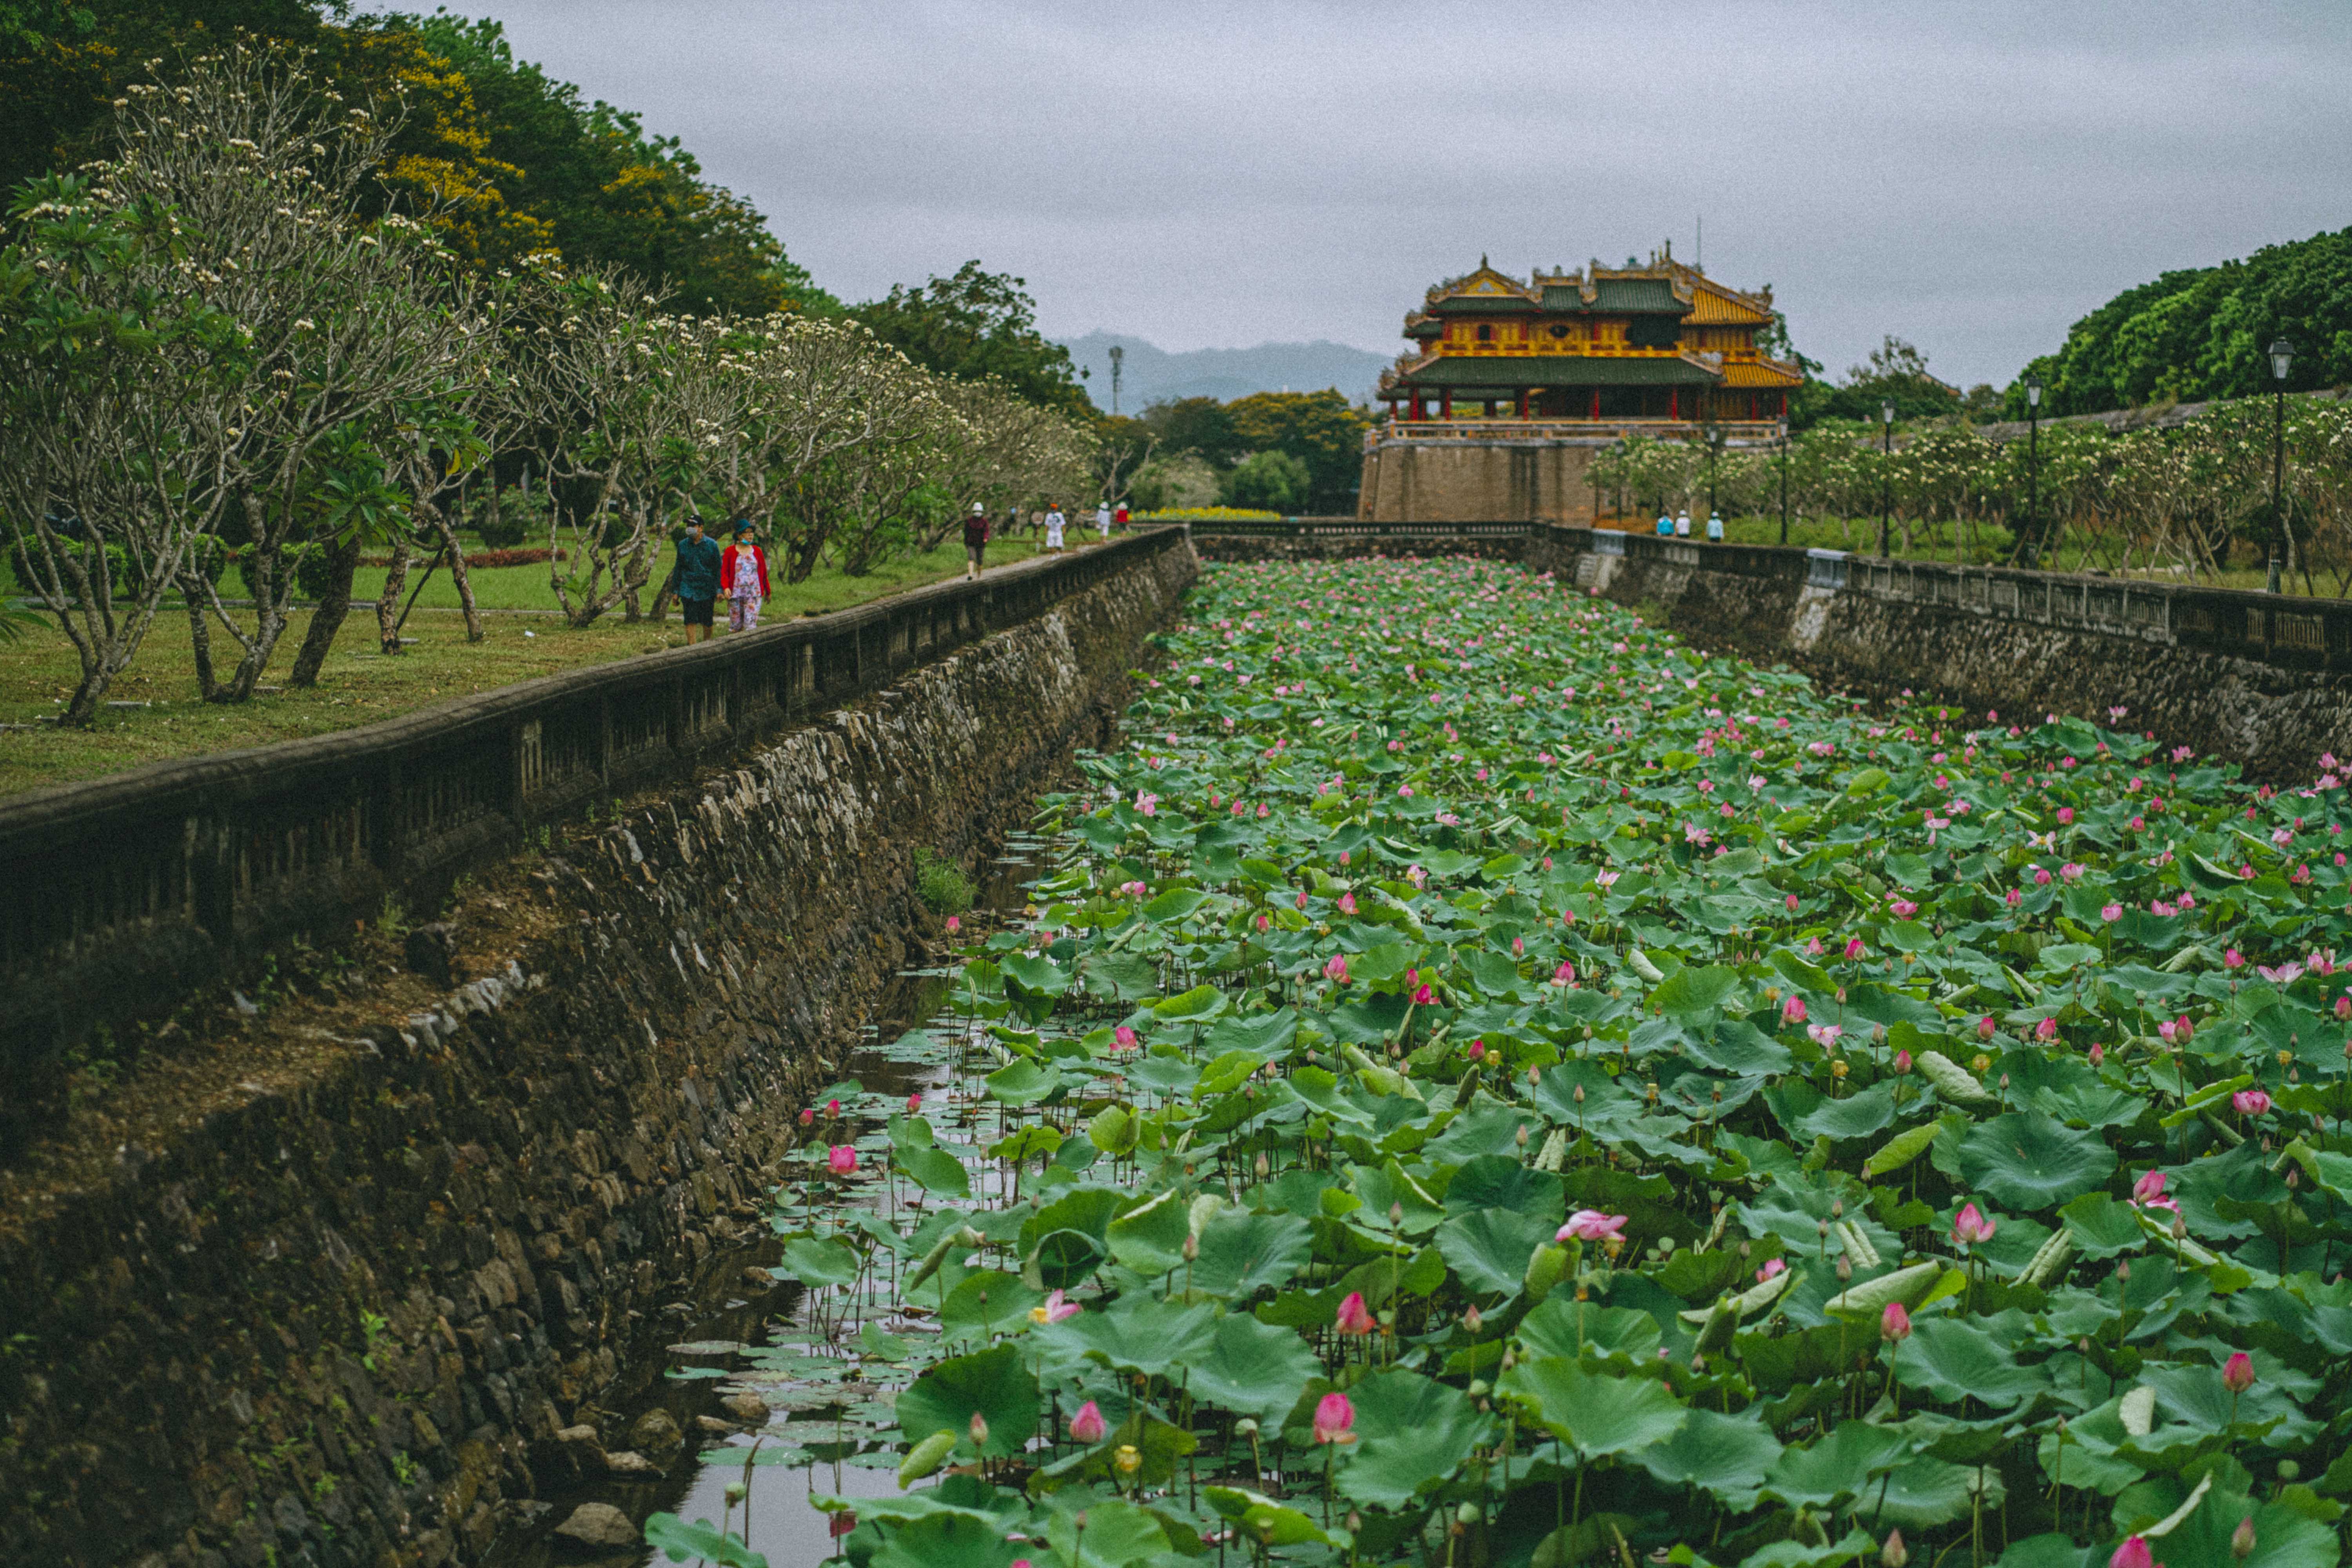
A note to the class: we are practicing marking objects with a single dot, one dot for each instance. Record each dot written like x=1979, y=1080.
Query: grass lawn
x=360, y=684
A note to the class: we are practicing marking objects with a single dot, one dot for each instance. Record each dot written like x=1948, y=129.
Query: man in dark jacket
x=975, y=540
x=696, y=578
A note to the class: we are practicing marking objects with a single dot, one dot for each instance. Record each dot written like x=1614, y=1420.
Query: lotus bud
x=1262, y=1167
x=2180, y=1227
x=2238, y=1372
x=1191, y=1248
x=1472, y=1321
x=1893, y=1554
x=2132, y=1554
x=1844, y=1268
x=1355, y=1522
x=1396, y=1213
x=2123, y=1270
x=979, y=1430
x=735, y=1492
x=2242, y=1540
x=1127, y=1459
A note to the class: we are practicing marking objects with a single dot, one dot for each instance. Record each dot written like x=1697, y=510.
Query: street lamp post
x=1784, y=481
x=2029, y=556
x=1885, y=480
x=2282, y=361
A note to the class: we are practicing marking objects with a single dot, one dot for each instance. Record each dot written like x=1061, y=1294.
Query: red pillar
x=1446, y=403
x=1596, y=403
x=1674, y=402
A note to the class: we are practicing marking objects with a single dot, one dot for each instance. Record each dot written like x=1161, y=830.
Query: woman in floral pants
x=743, y=578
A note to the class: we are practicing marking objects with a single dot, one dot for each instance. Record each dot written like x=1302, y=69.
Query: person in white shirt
x=1715, y=529
x=1102, y=517
x=1054, y=525
x=1682, y=525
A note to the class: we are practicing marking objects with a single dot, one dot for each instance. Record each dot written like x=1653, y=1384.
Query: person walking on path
x=1054, y=526
x=695, y=577
x=975, y=540
x=1102, y=517
x=1715, y=528
x=1118, y=518
x=1682, y=525
x=1665, y=526
x=744, y=569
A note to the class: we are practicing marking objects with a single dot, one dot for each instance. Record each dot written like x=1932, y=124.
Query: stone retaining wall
x=344, y=1282
x=2275, y=718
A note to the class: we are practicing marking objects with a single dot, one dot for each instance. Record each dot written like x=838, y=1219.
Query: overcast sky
x=1972, y=177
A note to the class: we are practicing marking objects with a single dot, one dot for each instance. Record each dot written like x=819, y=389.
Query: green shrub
x=942, y=884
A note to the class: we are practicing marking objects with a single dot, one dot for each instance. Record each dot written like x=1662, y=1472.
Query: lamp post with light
x=1784, y=481
x=2028, y=554
x=1885, y=477
x=2282, y=361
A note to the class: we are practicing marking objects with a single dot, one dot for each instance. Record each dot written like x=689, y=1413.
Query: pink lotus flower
x=1792, y=1011
x=841, y=1524
x=1565, y=975
x=2046, y=1030
x=1337, y=969
x=2232, y=959
x=833, y=1109
x=1334, y=1418
x=840, y=1160
x=1771, y=1266
x=1985, y=1027
x=954, y=925
x=2132, y=1554
x=1853, y=947
x=1478, y=1051
x=1302, y=898
x=2015, y=898
x=914, y=1103
x=2285, y=974
x=1122, y=1038
x=1052, y=1309
x=2343, y=1008
x=2042, y=875
x=1353, y=1319
x=1902, y=1062
x=2250, y=1102
x=1895, y=1324
x=1791, y=901
x=1904, y=909
x=1423, y=996
x=2066, y=816
x=1346, y=903
x=1591, y=1224
x=2238, y=1372
x=2149, y=1188
x=1970, y=1225
x=1824, y=1034
x=2111, y=912
x=1088, y=1426
x=808, y=1116
x=2098, y=1053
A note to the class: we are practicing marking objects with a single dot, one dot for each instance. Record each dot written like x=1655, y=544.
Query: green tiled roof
x=1459, y=371
x=1483, y=305
x=1617, y=297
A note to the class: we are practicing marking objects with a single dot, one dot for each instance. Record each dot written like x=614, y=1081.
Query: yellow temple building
x=1512, y=386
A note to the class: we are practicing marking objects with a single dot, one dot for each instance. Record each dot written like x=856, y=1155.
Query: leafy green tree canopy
x=2204, y=332
x=978, y=323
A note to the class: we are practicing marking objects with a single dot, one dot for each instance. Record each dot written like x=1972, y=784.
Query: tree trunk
x=328, y=619
x=456, y=554
x=387, y=607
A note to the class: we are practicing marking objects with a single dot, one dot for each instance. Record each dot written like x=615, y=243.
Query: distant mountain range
x=1151, y=374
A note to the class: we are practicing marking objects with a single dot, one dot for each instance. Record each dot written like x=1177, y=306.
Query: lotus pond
x=1485, y=1084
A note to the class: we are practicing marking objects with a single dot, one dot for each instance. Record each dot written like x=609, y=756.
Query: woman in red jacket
x=743, y=578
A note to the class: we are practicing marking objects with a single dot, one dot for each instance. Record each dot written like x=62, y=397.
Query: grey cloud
x=1970, y=177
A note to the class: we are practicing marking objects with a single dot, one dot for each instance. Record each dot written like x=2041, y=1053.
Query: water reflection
x=817, y=1438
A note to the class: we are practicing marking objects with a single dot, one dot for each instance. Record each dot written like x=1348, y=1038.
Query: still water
x=798, y=1354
